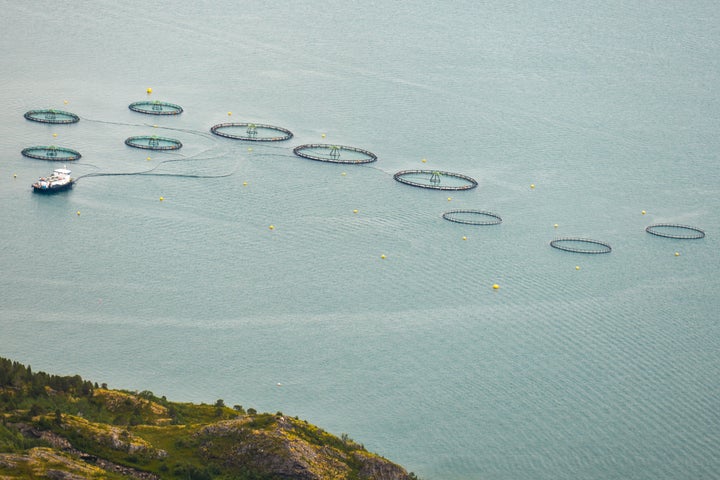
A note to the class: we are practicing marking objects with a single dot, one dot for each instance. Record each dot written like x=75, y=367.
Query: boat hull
x=52, y=188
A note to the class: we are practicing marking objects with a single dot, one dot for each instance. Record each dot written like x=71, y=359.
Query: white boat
x=59, y=180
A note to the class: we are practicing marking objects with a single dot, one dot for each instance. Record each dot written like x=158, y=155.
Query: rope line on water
x=150, y=171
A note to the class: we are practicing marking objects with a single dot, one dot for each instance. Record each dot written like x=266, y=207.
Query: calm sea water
x=606, y=371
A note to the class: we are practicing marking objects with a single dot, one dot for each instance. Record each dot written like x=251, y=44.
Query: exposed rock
x=48, y=463
x=282, y=451
x=376, y=468
x=117, y=438
x=60, y=475
x=77, y=457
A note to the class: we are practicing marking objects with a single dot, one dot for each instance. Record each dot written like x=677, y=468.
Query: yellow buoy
x=149, y=90
x=464, y=238
x=78, y=213
x=65, y=102
x=14, y=175
x=162, y=198
x=449, y=198
x=272, y=227
x=343, y=174
x=229, y=114
x=532, y=185
x=54, y=134
x=355, y=211
x=249, y=149
x=323, y=135
x=424, y=160
x=577, y=267
x=244, y=184
x=383, y=256
x=148, y=159
x=496, y=286
x=677, y=254
x=155, y=126
x=643, y=212
x=555, y=226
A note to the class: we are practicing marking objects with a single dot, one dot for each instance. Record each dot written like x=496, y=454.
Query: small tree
x=35, y=410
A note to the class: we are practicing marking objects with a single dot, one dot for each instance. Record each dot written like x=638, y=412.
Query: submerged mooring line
x=108, y=122
x=151, y=171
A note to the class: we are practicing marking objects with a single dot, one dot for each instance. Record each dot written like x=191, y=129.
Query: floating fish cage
x=51, y=116
x=435, y=179
x=51, y=152
x=334, y=153
x=153, y=143
x=674, y=230
x=580, y=245
x=251, y=132
x=156, y=108
x=472, y=217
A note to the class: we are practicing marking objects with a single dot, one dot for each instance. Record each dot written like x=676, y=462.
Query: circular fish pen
x=674, y=230
x=51, y=152
x=153, y=143
x=472, y=217
x=334, y=153
x=580, y=245
x=251, y=132
x=435, y=179
x=156, y=108
x=51, y=116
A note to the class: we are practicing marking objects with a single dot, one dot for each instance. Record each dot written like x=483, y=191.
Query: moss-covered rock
x=43, y=462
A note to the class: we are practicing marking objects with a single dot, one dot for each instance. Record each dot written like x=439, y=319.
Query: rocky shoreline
x=69, y=428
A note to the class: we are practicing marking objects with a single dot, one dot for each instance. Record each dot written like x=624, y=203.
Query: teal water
x=607, y=371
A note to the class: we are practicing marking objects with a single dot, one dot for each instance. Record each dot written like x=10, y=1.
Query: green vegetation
x=51, y=424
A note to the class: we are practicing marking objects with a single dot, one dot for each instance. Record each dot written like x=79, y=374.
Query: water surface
x=606, y=371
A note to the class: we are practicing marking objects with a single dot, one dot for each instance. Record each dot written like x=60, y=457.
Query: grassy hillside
x=65, y=427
